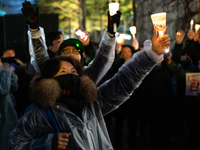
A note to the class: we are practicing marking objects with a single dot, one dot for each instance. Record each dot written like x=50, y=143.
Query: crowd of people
x=72, y=96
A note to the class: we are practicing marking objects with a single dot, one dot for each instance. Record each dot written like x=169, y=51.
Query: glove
x=113, y=19
x=32, y=17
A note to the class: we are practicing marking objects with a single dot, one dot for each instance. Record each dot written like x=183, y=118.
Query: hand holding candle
x=160, y=44
x=180, y=36
x=113, y=8
x=112, y=20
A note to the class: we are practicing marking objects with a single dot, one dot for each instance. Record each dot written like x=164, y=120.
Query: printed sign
x=192, y=84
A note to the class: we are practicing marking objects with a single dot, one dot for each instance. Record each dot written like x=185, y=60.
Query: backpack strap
x=51, y=119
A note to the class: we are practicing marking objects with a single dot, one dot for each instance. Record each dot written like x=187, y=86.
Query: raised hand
x=196, y=36
x=32, y=17
x=160, y=44
x=113, y=19
x=135, y=44
x=60, y=141
x=180, y=36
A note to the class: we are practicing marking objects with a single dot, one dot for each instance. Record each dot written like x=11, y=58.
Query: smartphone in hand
x=82, y=34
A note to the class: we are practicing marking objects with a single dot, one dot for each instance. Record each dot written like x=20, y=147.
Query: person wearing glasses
x=71, y=48
x=104, y=57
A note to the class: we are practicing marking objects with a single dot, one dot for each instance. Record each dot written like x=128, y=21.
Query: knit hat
x=72, y=42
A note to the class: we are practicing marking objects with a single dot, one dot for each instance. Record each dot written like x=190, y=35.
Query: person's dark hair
x=131, y=47
x=8, y=48
x=55, y=35
x=52, y=66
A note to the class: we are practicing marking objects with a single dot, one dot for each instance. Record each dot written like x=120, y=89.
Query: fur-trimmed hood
x=46, y=92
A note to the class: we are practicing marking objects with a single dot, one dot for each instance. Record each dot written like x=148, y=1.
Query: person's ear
x=50, y=48
x=84, y=54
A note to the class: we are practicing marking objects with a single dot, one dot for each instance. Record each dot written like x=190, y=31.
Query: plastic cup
x=113, y=8
x=133, y=30
x=159, y=22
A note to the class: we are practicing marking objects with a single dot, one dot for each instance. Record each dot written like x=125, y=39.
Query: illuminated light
x=197, y=27
x=178, y=33
x=191, y=24
x=128, y=37
x=77, y=44
x=167, y=50
x=159, y=22
x=2, y=13
x=121, y=38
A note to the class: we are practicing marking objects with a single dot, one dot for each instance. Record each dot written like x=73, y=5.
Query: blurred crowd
x=161, y=114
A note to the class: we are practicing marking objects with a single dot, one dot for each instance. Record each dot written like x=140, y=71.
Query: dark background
x=13, y=32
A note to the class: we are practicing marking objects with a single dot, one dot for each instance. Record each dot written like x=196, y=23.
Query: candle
x=191, y=24
x=178, y=33
x=197, y=27
x=159, y=22
x=133, y=30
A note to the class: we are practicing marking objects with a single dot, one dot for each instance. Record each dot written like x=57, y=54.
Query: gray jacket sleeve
x=8, y=80
x=115, y=91
x=37, y=48
x=103, y=60
x=28, y=132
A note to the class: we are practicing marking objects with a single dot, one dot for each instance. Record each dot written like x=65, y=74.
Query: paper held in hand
x=113, y=8
x=159, y=22
x=192, y=84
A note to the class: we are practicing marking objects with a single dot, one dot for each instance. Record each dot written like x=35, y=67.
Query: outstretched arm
x=118, y=89
x=37, y=48
x=177, y=51
x=37, y=43
x=105, y=55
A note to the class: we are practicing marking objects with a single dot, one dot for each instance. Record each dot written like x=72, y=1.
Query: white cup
x=159, y=22
x=133, y=30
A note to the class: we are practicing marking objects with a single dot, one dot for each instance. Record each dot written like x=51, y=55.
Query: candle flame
x=197, y=27
x=191, y=22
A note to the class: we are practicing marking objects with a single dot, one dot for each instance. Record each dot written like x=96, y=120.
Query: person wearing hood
x=8, y=114
x=68, y=109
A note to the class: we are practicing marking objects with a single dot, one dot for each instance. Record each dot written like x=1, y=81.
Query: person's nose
x=71, y=55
